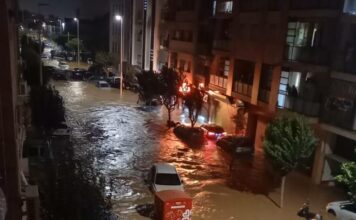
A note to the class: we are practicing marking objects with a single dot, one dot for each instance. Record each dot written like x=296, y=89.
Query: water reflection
x=123, y=140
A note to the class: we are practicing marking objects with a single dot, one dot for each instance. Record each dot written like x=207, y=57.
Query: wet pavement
x=122, y=141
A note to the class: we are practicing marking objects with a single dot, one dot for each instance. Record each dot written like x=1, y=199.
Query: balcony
x=242, y=88
x=218, y=83
x=301, y=106
x=310, y=55
x=344, y=63
x=181, y=46
x=223, y=45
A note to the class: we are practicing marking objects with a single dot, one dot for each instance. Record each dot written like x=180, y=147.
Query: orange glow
x=185, y=88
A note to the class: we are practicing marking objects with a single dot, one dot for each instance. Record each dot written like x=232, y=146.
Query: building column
x=230, y=78
x=273, y=97
x=256, y=83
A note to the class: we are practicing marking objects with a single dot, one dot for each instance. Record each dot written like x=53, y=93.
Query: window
x=224, y=67
x=350, y=7
x=243, y=77
x=225, y=7
x=183, y=35
x=288, y=86
x=182, y=65
x=265, y=83
x=167, y=179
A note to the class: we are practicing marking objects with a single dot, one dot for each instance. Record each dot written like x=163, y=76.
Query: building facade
x=258, y=59
x=22, y=198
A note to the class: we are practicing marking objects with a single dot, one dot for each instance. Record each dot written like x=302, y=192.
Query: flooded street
x=121, y=140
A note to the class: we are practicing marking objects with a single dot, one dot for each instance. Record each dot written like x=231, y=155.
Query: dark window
x=265, y=83
x=167, y=179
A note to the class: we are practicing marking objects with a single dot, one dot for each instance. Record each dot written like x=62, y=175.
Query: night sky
x=67, y=8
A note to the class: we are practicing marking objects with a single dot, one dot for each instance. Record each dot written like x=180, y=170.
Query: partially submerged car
x=236, y=144
x=213, y=131
x=163, y=176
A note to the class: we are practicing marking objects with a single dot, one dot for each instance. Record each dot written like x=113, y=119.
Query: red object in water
x=173, y=205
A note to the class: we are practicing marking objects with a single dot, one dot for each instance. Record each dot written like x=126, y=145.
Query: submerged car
x=213, y=131
x=102, y=84
x=163, y=176
x=343, y=210
x=236, y=144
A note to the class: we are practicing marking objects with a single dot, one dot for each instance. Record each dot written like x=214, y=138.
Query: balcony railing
x=218, y=81
x=221, y=45
x=242, y=88
x=306, y=55
x=305, y=107
x=342, y=62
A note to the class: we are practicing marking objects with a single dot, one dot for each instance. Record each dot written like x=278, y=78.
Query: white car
x=63, y=65
x=102, y=84
x=343, y=210
x=164, y=176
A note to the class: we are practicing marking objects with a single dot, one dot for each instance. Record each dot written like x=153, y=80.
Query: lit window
x=225, y=7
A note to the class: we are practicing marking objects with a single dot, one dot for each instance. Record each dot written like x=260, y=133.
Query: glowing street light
x=119, y=18
x=63, y=25
x=77, y=20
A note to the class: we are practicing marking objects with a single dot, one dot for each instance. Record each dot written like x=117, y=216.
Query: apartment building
x=267, y=57
x=124, y=9
x=22, y=198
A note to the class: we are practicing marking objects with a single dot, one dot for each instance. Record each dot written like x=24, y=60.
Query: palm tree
x=289, y=143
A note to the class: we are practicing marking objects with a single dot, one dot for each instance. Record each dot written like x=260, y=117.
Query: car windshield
x=167, y=179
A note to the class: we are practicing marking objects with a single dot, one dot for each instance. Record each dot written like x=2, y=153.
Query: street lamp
x=63, y=26
x=119, y=18
x=77, y=20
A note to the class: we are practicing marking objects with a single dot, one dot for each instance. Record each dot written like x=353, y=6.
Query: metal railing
x=242, y=88
x=313, y=55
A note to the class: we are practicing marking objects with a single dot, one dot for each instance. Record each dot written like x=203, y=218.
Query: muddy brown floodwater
x=123, y=140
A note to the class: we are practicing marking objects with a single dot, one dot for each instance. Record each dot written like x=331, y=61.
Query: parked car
x=63, y=65
x=343, y=210
x=102, y=84
x=213, y=131
x=163, y=176
x=90, y=61
x=236, y=144
x=78, y=74
x=114, y=81
x=60, y=75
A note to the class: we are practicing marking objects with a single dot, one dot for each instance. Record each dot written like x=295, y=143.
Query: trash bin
x=173, y=205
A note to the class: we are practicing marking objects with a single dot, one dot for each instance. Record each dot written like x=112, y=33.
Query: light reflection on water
x=122, y=142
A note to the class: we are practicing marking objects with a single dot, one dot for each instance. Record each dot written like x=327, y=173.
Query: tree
x=106, y=59
x=348, y=178
x=72, y=45
x=47, y=108
x=31, y=58
x=149, y=86
x=169, y=82
x=193, y=100
x=289, y=143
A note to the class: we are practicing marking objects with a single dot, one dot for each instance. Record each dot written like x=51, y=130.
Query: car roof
x=165, y=168
x=102, y=81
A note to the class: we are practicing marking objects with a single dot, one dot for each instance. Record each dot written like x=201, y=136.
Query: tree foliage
x=72, y=45
x=106, y=59
x=47, y=108
x=348, y=178
x=149, y=84
x=289, y=143
x=194, y=102
x=169, y=82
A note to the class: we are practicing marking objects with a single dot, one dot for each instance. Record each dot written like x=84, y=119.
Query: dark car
x=213, y=131
x=78, y=74
x=236, y=144
x=60, y=75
